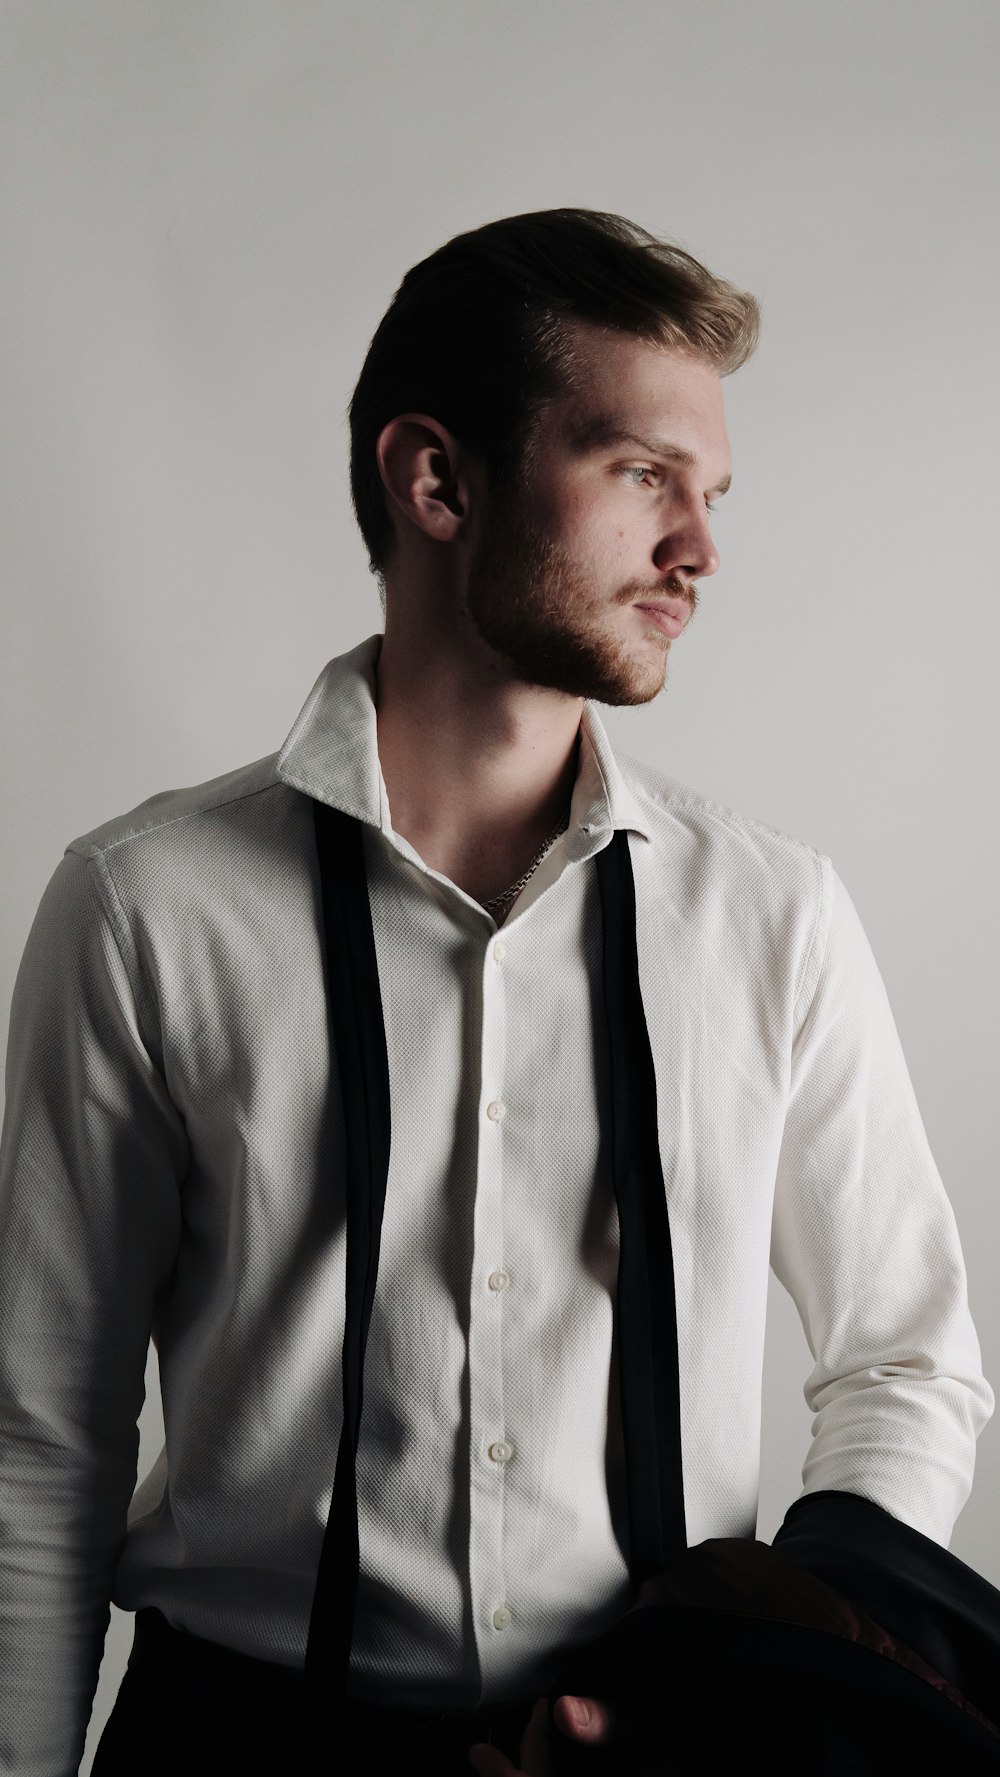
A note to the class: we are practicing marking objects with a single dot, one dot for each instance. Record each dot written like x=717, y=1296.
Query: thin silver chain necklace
x=496, y=904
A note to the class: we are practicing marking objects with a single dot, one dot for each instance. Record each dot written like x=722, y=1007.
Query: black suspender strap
x=646, y=1309
x=647, y=1332
x=358, y=1032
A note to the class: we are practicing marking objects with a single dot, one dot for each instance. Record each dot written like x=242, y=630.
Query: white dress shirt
x=172, y=1164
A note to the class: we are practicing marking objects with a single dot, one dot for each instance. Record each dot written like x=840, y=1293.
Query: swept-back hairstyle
x=476, y=335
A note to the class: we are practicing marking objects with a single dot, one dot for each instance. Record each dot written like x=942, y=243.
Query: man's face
x=613, y=508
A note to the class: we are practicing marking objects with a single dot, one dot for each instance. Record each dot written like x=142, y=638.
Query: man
x=280, y=1096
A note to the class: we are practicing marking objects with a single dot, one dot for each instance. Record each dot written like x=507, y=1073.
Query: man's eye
x=709, y=507
x=639, y=469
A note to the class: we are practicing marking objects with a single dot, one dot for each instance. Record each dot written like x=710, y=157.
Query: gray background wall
x=207, y=207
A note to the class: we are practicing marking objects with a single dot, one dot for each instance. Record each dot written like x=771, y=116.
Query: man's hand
x=583, y=1719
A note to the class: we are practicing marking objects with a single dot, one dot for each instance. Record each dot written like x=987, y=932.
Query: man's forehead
x=636, y=385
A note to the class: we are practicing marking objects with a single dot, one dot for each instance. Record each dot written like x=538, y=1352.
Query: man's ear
x=424, y=470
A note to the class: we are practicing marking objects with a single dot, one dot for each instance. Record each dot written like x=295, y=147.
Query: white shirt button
x=501, y=1451
x=499, y=951
x=496, y=1110
x=498, y=1280
x=501, y=1617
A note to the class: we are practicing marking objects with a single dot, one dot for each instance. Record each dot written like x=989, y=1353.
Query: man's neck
x=478, y=770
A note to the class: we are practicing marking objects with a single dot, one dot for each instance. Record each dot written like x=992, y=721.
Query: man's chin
x=598, y=664
x=621, y=682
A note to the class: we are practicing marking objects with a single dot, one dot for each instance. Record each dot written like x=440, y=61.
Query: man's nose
x=687, y=549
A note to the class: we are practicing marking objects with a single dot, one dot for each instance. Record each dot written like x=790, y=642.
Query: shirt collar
x=331, y=753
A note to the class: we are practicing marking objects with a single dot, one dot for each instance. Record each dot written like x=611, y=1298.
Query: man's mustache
x=635, y=591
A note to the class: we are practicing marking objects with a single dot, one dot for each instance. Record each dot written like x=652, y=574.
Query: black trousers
x=187, y=1708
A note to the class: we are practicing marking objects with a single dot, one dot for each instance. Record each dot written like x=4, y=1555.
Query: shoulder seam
x=110, y=904
x=810, y=974
x=89, y=848
x=688, y=798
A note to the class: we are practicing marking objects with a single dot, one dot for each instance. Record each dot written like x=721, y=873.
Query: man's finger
x=583, y=1718
x=535, y=1743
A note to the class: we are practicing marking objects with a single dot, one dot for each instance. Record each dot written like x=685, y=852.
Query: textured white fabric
x=172, y=1161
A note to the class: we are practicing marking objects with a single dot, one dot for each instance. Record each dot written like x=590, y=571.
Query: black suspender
x=645, y=1307
x=358, y=1033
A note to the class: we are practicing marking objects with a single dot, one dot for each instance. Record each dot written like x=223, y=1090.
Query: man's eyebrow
x=603, y=430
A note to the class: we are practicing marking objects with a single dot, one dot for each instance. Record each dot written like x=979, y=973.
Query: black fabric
x=920, y=1593
x=698, y=1691
x=737, y=1646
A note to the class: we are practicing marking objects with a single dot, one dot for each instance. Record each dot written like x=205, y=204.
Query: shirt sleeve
x=865, y=1241
x=92, y=1153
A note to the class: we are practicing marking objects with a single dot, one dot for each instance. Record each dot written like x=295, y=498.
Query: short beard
x=531, y=604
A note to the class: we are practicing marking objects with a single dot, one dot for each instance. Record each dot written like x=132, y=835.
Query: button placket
x=487, y=1563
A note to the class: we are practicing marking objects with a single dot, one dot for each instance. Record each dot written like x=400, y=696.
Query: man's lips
x=670, y=615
